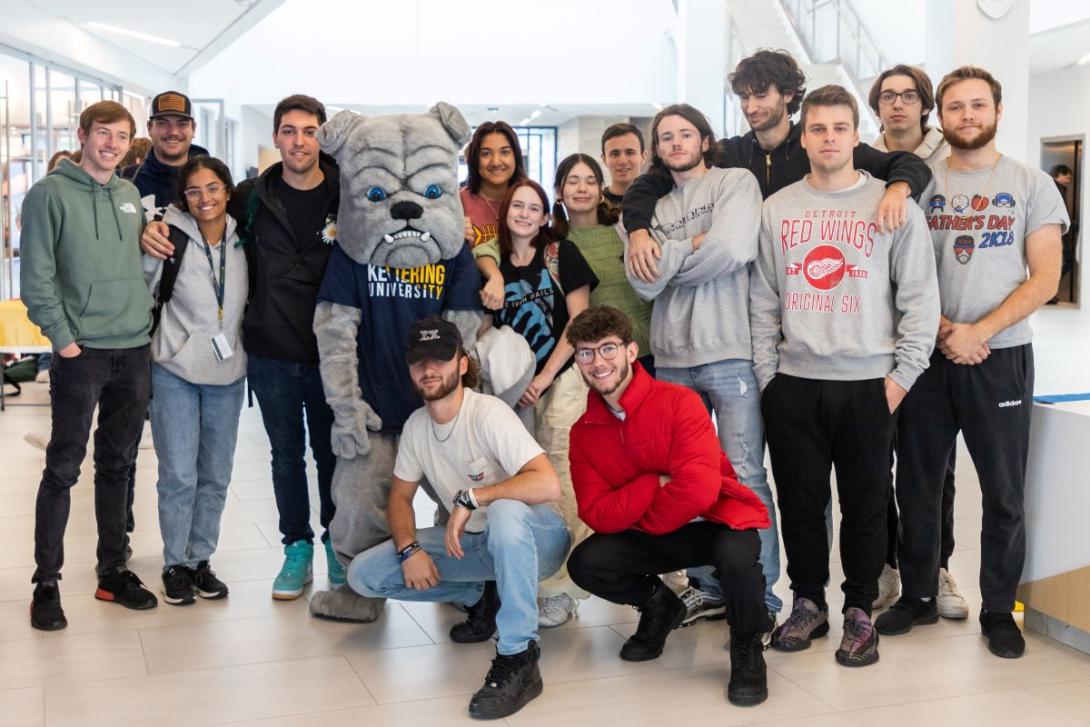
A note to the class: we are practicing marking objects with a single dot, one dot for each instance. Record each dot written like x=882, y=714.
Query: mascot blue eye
x=376, y=194
x=433, y=192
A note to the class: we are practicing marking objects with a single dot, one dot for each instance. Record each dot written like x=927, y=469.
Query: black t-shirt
x=304, y=208
x=533, y=305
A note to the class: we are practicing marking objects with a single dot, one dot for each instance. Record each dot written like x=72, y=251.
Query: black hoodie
x=154, y=177
x=784, y=165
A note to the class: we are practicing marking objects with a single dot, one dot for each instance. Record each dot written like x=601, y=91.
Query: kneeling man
x=653, y=483
x=475, y=453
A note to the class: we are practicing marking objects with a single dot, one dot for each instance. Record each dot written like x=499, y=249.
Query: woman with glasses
x=197, y=374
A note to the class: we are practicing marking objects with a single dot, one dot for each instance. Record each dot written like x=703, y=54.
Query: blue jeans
x=195, y=428
x=730, y=389
x=289, y=393
x=521, y=545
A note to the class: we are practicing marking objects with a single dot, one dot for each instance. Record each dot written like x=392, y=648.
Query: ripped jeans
x=730, y=389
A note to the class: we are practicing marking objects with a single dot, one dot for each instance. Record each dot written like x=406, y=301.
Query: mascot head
x=399, y=185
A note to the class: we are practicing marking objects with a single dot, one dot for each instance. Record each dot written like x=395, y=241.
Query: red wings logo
x=824, y=267
x=818, y=269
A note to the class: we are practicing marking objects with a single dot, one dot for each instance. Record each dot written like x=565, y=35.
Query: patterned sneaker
x=296, y=572
x=701, y=606
x=889, y=587
x=859, y=647
x=334, y=569
x=555, y=610
x=806, y=623
x=950, y=602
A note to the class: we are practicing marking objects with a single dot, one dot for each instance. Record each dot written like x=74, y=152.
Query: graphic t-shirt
x=305, y=208
x=533, y=304
x=482, y=213
x=391, y=300
x=484, y=444
x=978, y=222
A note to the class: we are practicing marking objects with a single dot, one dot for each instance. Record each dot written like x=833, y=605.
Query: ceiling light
x=656, y=105
x=493, y=109
x=134, y=34
x=525, y=122
x=537, y=112
x=1084, y=60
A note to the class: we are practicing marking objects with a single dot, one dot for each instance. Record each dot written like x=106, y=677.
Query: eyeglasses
x=608, y=352
x=908, y=98
x=212, y=190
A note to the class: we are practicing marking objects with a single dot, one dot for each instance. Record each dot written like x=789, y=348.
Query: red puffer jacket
x=615, y=465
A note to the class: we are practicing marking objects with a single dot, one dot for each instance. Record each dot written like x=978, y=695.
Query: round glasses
x=608, y=352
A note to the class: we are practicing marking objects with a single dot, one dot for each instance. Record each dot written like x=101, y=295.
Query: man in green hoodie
x=82, y=282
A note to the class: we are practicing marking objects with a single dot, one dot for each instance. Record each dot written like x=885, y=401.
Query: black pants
x=990, y=405
x=623, y=567
x=118, y=381
x=893, y=517
x=813, y=426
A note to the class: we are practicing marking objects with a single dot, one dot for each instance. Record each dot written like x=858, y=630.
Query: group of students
x=783, y=281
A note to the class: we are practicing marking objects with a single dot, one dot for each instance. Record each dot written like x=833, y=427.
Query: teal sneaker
x=334, y=568
x=296, y=572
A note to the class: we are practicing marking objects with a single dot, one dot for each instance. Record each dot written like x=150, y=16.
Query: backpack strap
x=552, y=262
x=169, y=276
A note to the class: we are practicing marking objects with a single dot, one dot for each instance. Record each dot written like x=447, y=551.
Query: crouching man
x=502, y=537
x=653, y=483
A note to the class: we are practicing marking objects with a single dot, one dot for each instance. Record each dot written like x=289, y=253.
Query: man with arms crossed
x=497, y=481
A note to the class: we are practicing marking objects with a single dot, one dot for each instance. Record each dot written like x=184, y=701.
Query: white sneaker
x=42, y=377
x=555, y=610
x=889, y=587
x=38, y=440
x=950, y=602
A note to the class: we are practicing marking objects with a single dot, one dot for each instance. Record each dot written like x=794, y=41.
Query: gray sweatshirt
x=832, y=297
x=701, y=312
x=182, y=343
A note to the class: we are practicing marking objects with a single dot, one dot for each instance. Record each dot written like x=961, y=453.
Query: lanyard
x=218, y=288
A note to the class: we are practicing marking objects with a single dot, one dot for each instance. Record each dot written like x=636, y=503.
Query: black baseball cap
x=434, y=338
x=171, y=103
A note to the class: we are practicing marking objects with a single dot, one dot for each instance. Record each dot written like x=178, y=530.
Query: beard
x=448, y=385
x=685, y=166
x=986, y=135
x=621, y=379
x=773, y=120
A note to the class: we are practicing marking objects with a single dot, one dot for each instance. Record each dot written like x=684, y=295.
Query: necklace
x=987, y=182
x=453, y=426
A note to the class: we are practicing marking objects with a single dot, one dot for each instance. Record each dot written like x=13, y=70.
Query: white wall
x=901, y=36
x=584, y=134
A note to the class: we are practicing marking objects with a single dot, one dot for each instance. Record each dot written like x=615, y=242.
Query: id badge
x=221, y=348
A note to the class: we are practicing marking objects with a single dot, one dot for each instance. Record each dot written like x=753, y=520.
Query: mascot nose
x=406, y=211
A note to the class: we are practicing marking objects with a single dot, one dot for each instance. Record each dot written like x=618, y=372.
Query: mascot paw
x=344, y=604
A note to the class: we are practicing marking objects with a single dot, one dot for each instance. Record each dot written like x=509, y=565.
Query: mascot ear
x=334, y=133
x=452, y=120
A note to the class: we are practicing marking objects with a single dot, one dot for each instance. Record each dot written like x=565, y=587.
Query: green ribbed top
x=603, y=249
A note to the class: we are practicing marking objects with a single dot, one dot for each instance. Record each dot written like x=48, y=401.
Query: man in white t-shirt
x=502, y=537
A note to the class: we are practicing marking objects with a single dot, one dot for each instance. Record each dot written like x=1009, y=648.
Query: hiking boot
x=659, y=615
x=1004, y=638
x=334, y=569
x=177, y=586
x=296, y=572
x=555, y=610
x=859, y=647
x=806, y=623
x=702, y=606
x=906, y=613
x=951, y=604
x=480, y=621
x=512, y=681
x=748, y=680
x=46, y=613
x=206, y=583
x=125, y=588
x=889, y=587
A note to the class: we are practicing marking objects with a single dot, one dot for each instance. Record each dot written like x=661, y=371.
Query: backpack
x=169, y=276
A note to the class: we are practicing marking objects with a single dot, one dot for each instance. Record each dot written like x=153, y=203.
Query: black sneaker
x=511, y=683
x=770, y=629
x=46, y=613
x=125, y=588
x=480, y=623
x=748, y=678
x=1004, y=638
x=206, y=583
x=906, y=613
x=177, y=586
x=702, y=606
x=660, y=614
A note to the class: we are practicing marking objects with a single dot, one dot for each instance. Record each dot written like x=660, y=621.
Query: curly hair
x=767, y=68
x=597, y=322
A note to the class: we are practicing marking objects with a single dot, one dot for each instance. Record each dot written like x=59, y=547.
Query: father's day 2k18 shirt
x=390, y=301
x=979, y=221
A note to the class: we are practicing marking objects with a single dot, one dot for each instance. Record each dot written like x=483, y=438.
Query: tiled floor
x=250, y=660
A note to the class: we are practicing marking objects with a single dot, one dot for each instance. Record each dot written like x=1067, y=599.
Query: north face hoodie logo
x=127, y=207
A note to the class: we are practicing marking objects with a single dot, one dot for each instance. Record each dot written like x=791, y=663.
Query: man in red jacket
x=653, y=483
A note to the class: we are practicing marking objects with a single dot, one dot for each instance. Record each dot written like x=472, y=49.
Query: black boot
x=660, y=614
x=46, y=613
x=481, y=621
x=748, y=680
x=511, y=683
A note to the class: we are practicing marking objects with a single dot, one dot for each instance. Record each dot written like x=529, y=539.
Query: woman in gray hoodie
x=198, y=372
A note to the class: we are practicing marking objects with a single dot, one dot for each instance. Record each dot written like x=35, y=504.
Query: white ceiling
x=1060, y=47
x=514, y=114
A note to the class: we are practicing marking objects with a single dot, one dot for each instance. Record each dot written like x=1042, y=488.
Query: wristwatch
x=466, y=499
